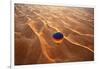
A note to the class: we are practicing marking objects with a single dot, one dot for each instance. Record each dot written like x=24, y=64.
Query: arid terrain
x=35, y=25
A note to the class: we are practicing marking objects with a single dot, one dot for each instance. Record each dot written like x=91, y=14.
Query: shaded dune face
x=34, y=29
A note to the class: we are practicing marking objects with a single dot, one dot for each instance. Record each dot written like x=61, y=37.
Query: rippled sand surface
x=35, y=25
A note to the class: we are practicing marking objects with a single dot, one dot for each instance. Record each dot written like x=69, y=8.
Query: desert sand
x=35, y=25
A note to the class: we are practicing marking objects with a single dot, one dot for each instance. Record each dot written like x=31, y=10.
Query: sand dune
x=35, y=25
